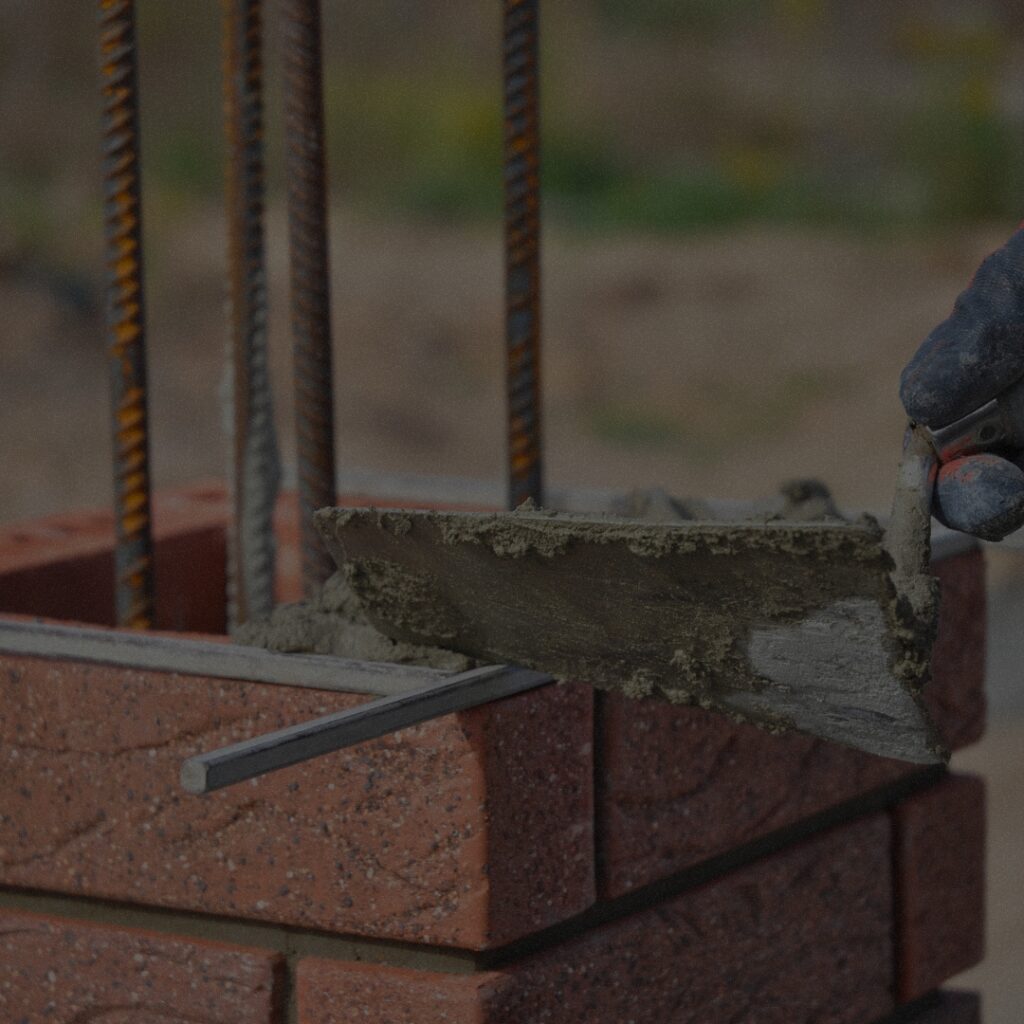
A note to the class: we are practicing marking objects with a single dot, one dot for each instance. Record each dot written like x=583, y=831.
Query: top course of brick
x=507, y=792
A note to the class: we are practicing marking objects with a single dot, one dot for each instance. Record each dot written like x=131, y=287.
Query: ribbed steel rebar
x=133, y=555
x=310, y=290
x=254, y=468
x=522, y=249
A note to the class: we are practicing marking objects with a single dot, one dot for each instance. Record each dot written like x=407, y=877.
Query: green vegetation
x=634, y=427
x=692, y=142
x=727, y=417
x=184, y=163
x=967, y=155
x=432, y=148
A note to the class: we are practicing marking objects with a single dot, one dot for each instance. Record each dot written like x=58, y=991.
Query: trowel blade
x=785, y=625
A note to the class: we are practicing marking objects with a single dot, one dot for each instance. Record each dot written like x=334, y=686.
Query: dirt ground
x=717, y=365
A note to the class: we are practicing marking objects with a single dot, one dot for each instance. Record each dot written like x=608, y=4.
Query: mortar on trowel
x=782, y=614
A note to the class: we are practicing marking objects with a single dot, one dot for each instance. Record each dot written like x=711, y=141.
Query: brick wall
x=558, y=856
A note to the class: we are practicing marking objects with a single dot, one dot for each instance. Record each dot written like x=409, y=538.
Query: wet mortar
x=660, y=585
x=333, y=623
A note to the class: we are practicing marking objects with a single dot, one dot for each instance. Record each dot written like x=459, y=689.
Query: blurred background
x=755, y=210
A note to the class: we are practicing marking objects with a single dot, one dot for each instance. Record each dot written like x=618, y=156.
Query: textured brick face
x=679, y=785
x=332, y=992
x=469, y=830
x=62, y=567
x=803, y=935
x=537, y=757
x=956, y=693
x=940, y=883
x=66, y=972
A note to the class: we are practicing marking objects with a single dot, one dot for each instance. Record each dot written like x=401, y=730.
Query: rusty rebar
x=522, y=250
x=310, y=288
x=254, y=469
x=133, y=552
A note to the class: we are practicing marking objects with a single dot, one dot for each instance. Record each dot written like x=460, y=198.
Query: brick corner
x=939, y=843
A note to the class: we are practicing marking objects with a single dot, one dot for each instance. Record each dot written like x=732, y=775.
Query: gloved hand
x=973, y=355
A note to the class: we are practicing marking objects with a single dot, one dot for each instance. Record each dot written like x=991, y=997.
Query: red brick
x=68, y=972
x=470, y=830
x=537, y=759
x=62, y=567
x=338, y=992
x=680, y=785
x=940, y=883
x=956, y=694
x=803, y=935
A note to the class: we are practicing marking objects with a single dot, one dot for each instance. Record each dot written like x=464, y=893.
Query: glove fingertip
x=933, y=386
x=982, y=495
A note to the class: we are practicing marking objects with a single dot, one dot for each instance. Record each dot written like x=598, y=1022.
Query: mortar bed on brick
x=289, y=941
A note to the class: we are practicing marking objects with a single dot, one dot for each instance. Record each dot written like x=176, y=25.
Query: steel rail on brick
x=522, y=250
x=122, y=215
x=148, y=652
x=284, y=748
x=407, y=694
x=254, y=471
x=310, y=287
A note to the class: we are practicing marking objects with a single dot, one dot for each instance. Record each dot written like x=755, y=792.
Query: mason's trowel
x=821, y=626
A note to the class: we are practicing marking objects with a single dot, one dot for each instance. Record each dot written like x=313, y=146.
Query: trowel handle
x=996, y=425
x=908, y=537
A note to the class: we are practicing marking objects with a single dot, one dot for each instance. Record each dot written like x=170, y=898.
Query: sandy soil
x=716, y=365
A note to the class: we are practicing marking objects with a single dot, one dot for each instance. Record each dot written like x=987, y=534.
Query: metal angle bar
x=146, y=652
x=240, y=761
x=310, y=288
x=122, y=214
x=522, y=250
x=254, y=467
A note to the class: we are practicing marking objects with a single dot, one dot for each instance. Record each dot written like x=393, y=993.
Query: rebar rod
x=254, y=469
x=133, y=553
x=522, y=250
x=310, y=289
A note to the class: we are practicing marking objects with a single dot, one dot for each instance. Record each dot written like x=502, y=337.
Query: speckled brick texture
x=338, y=992
x=62, y=567
x=67, y=972
x=940, y=883
x=469, y=831
x=956, y=693
x=537, y=759
x=802, y=935
x=678, y=786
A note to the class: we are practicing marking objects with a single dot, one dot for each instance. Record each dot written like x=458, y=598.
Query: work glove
x=972, y=356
